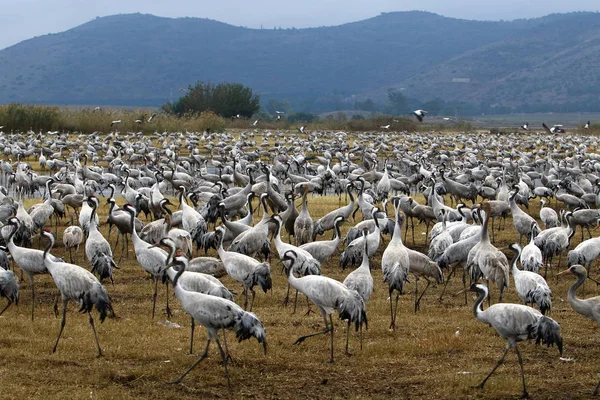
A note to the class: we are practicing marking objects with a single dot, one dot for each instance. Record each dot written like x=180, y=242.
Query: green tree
x=225, y=99
x=397, y=103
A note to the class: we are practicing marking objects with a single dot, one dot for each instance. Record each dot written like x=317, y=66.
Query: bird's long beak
x=565, y=272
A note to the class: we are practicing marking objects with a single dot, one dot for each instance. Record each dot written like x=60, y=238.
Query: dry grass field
x=424, y=358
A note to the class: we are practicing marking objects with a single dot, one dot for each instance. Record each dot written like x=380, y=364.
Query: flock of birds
x=379, y=176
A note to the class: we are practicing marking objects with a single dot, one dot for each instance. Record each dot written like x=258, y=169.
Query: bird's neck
x=572, y=296
x=477, y=308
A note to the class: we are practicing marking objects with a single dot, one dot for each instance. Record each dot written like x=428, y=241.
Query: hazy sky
x=24, y=19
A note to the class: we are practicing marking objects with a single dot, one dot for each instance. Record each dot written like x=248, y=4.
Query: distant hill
x=143, y=60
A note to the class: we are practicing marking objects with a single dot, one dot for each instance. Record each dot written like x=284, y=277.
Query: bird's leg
x=331, y=337
x=62, y=323
x=193, y=325
x=446, y=283
x=596, y=389
x=348, y=338
x=154, y=295
x=226, y=347
x=56, y=304
x=287, y=296
x=168, y=309
x=309, y=308
x=416, y=291
x=252, y=300
x=202, y=357
x=7, y=305
x=417, y=305
x=224, y=357
x=302, y=338
x=245, y=299
x=295, y=302
x=392, y=322
x=70, y=255
x=487, y=283
x=114, y=250
x=95, y=334
x=360, y=333
x=500, y=362
x=464, y=280
x=32, y=294
x=525, y=394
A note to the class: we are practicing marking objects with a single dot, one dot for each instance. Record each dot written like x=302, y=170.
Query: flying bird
x=420, y=114
x=151, y=117
x=118, y=121
x=301, y=129
x=385, y=126
x=587, y=125
x=255, y=122
x=525, y=126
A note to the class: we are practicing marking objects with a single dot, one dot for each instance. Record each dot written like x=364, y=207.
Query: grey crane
x=192, y=221
x=421, y=265
x=531, y=287
x=486, y=260
x=158, y=229
x=353, y=252
x=245, y=270
x=531, y=255
x=360, y=280
x=523, y=222
x=152, y=259
x=323, y=249
x=78, y=284
x=121, y=219
x=303, y=225
x=97, y=248
x=328, y=295
x=585, y=253
x=395, y=264
x=72, y=237
x=31, y=261
x=9, y=288
x=515, y=323
x=327, y=222
x=216, y=313
x=548, y=216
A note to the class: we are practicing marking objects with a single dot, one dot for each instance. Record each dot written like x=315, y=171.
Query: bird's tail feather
x=97, y=297
x=262, y=276
x=352, y=308
x=248, y=325
x=547, y=332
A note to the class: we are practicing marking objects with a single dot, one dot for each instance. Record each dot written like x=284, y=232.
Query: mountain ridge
x=142, y=59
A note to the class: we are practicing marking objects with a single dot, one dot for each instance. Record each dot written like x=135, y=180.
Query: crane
x=395, y=264
x=9, y=288
x=215, y=313
x=72, y=237
x=515, y=323
x=97, y=248
x=531, y=287
x=78, y=284
x=328, y=295
x=360, y=280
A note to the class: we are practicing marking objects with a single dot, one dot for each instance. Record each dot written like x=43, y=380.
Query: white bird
x=301, y=129
x=525, y=126
x=548, y=216
x=385, y=126
x=116, y=122
x=420, y=114
x=587, y=125
x=531, y=287
x=9, y=288
x=151, y=117
x=78, y=284
x=531, y=256
x=255, y=122
x=395, y=264
x=328, y=295
x=72, y=237
x=31, y=261
x=360, y=280
x=515, y=323
x=245, y=270
x=97, y=248
x=215, y=313
x=151, y=258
